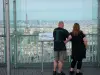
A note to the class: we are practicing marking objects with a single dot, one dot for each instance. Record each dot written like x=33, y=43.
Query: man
x=60, y=34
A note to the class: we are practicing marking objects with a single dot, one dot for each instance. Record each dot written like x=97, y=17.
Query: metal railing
x=29, y=49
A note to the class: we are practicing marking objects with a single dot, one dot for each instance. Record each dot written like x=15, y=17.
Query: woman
x=79, y=45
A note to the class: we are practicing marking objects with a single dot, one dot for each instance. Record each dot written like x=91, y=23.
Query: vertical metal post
x=98, y=49
x=42, y=56
x=7, y=23
x=4, y=31
x=15, y=31
x=92, y=60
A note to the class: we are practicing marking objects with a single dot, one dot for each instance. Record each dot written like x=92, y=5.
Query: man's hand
x=65, y=41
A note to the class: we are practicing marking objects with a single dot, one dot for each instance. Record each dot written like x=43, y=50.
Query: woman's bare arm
x=85, y=42
x=68, y=39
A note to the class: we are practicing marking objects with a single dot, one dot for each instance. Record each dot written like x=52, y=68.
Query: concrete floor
x=32, y=71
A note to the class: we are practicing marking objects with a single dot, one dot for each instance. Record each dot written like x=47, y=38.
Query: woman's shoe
x=54, y=73
x=62, y=73
x=71, y=72
x=79, y=73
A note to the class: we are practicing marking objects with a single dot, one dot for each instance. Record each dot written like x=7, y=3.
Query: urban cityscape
x=29, y=48
x=27, y=42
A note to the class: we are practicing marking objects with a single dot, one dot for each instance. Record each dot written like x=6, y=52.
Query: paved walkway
x=30, y=71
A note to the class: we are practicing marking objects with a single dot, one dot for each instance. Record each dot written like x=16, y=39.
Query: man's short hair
x=61, y=22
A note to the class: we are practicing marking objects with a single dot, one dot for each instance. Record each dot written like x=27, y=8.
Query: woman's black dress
x=78, y=47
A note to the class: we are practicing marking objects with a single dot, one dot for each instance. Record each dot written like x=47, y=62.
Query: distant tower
x=26, y=20
x=27, y=30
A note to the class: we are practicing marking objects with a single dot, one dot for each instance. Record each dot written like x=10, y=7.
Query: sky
x=53, y=9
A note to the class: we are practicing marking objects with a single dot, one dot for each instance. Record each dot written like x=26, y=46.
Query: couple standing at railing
x=79, y=45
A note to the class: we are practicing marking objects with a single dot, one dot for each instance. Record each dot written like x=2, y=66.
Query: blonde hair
x=76, y=29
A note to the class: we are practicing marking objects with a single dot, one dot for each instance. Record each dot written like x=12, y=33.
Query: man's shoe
x=62, y=73
x=54, y=73
x=71, y=72
x=59, y=73
x=79, y=73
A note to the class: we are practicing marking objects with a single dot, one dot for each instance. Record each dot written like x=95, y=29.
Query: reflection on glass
x=39, y=16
